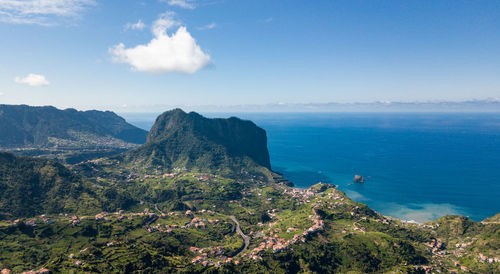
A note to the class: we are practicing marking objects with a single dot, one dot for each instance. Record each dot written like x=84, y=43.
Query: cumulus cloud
x=165, y=53
x=187, y=4
x=209, y=26
x=135, y=26
x=41, y=12
x=34, y=80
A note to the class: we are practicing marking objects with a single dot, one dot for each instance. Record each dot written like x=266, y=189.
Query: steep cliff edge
x=189, y=140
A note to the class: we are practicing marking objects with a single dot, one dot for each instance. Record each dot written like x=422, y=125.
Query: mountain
x=23, y=125
x=189, y=140
x=30, y=186
x=131, y=215
x=69, y=136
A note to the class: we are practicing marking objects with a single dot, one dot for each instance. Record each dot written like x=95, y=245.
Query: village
x=277, y=235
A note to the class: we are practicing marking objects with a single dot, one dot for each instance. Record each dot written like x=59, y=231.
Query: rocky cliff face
x=180, y=139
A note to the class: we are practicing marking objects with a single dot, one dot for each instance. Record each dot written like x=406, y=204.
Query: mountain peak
x=190, y=140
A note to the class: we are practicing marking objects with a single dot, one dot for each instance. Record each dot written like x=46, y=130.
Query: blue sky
x=67, y=53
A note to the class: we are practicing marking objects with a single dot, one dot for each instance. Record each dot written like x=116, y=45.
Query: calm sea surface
x=417, y=166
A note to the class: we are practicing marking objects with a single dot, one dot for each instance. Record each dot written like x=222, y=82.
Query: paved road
x=246, y=238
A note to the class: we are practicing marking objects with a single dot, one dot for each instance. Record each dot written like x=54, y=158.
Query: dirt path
x=246, y=238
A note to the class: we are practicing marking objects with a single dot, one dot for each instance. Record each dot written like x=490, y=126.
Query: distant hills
x=199, y=197
x=491, y=105
x=23, y=125
x=67, y=135
x=189, y=140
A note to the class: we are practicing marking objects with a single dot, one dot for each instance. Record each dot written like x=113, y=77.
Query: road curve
x=246, y=239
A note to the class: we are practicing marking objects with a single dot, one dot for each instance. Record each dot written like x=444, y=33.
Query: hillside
x=65, y=134
x=187, y=221
x=191, y=141
x=172, y=211
x=30, y=187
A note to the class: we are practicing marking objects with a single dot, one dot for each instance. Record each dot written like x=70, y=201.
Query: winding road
x=246, y=238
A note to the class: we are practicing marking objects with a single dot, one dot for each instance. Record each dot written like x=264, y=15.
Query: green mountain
x=30, y=187
x=191, y=141
x=23, y=125
x=67, y=135
x=170, y=206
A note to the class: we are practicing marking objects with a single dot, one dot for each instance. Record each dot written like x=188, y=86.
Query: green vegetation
x=31, y=186
x=174, y=205
x=68, y=135
x=189, y=140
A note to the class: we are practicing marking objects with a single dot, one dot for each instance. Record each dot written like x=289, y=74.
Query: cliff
x=189, y=140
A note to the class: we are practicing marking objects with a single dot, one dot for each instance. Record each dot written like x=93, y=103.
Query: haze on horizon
x=132, y=55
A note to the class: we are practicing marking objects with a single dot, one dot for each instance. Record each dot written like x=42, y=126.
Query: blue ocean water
x=418, y=166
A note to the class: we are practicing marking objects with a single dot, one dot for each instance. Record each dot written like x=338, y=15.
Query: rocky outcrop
x=358, y=179
x=180, y=139
x=321, y=187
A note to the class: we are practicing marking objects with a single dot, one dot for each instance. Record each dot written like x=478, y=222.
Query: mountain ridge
x=131, y=215
x=30, y=125
x=189, y=140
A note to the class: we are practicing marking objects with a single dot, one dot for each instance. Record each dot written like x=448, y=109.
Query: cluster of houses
x=437, y=246
x=42, y=219
x=461, y=246
x=277, y=244
x=211, y=256
x=102, y=216
x=299, y=194
x=169, y=175
x=195, y=221
x=40, y=271
x=200, y=177
x=486, y=259
x=462, y=267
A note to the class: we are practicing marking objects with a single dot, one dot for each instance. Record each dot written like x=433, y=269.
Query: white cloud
x=135, y=26
x=187, y=4
x=166, y=21
x=177, y=52
x=209, y=26
x=41, y=12
x=1, y=93
x=34, y=80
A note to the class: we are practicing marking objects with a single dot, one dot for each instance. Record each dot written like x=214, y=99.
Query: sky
x=133, y=55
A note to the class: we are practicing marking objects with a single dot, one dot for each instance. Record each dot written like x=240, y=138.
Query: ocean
x=418, y=166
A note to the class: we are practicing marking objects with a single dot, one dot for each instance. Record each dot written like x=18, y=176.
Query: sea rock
x=358, y=179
